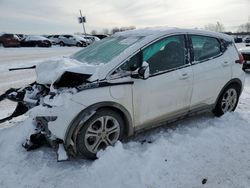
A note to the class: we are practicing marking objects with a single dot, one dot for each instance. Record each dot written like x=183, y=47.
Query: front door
x=167, y=92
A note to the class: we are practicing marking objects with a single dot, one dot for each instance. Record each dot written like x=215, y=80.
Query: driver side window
x=165, y=54
x=132, y=64
x=129, y=66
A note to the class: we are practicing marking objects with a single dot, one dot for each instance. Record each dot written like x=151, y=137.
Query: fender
x=233, y=81
x=90, y=111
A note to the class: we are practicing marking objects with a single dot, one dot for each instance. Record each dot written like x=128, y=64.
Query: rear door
x=211, y=67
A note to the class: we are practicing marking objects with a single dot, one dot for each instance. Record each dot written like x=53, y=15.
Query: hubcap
x=103, y=132
x=229, y=100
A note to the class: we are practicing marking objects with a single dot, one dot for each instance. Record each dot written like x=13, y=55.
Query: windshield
x=105, y=50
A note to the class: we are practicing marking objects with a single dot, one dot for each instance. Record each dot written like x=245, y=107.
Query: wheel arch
x=87, y=112
x=236, y=81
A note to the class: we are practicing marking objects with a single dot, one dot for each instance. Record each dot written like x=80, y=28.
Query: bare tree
x=244, y=27
x=210, y=27
x=131, y=27
x=218, y=27
x=247, y=27
x=115, y=30
x=93, y=32
x=241, y=28
x=105, y=31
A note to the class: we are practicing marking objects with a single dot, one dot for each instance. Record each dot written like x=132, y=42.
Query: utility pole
x=83, y=20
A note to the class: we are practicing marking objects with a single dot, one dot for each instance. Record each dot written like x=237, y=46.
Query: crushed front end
x=51, y=108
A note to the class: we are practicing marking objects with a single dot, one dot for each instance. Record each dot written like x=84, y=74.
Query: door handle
x=184, y=76
x=225, y=63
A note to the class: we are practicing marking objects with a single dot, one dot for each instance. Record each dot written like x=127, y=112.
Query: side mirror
x=142, y=72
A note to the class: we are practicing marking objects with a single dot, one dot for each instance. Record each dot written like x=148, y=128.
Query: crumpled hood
x=51, y=70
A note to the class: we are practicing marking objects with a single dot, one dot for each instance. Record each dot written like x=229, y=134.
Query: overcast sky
x=60, y=16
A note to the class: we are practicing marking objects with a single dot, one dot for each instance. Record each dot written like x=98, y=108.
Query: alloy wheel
x=103, y=132
x=229, y=100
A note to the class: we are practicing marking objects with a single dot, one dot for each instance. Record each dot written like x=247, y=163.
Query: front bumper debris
x=42, y=137
x=26, y=98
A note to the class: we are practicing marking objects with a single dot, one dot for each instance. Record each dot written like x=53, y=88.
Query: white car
x=54, y=38
x=90, y=39
x=132, y=81
x=72, y=40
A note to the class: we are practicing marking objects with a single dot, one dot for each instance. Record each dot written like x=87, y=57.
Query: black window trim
x=187, y=58
x=192, y=50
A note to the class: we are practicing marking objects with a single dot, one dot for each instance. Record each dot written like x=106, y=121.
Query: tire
x=226, y=103
x=85, y=44
x=93, y=136
x=78, y=44
x=61, y=43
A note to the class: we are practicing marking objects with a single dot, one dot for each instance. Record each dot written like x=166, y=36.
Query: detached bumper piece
x=26, y=99
x=35, y=141
x=43, y=138
x=20, y=108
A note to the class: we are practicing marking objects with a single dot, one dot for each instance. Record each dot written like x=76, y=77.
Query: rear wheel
x=103, y=129
x=228, y=100
x=61, y=43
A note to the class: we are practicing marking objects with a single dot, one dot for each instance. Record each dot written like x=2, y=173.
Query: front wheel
x=227, y=101
x=78, y=44
x=103, y=129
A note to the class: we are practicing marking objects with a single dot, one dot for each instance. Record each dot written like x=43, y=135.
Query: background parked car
x=238, y=39
x=101, y=36
x=54, y=38
x=90, y=38
x=246, y=55
x=247, y=40
x=21, y=36
x=72, y=40
x=36, y=41
x=9, y=40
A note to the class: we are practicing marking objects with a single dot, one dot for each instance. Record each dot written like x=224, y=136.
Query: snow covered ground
x=202, y=151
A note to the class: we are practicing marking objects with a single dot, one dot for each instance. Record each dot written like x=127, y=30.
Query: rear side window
x=205, y=47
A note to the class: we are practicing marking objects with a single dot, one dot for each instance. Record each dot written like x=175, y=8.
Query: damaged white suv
x=129, y=82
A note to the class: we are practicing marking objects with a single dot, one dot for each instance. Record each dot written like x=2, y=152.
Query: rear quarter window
x=205, y=47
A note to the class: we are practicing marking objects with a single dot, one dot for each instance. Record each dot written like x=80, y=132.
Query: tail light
x=241, y=59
